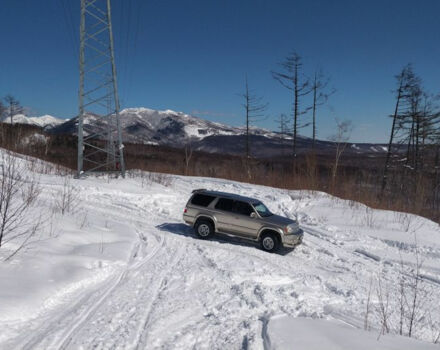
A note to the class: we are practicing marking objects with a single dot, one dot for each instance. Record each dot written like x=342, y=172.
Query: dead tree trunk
x=290, y=79
x=401, y=78
x=320, y=96
x=254, y=112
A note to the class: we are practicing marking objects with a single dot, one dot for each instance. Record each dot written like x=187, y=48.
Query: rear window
x=224, y=204
x=202, y=200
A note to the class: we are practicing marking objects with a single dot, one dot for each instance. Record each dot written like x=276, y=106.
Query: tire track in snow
x=82, y=319
x=119, y=321
x=143, y=334
x=96, y=298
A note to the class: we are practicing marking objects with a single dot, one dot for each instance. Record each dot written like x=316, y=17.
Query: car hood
x=278, y=220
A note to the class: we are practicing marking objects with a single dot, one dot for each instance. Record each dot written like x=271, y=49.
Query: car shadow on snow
x=185, y=230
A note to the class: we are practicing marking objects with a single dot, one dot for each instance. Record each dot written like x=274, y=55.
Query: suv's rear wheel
x=204, y=229
x=269, y=242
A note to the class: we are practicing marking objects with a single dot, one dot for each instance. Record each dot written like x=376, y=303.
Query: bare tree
x=383, y=297
x=13, y=106
x=254, y=112
x=188, y=154
x=3, y=110
x=343, y=132
x=320, y=96
x=430, y=125
x=18, y=192
x=402, y=294
x=436, y=185
x=283, y=127
x=411, y=294
x=368, y=306
x=415, y=115
x=66, y=199
x=417, y=122
x=292, y=79
x=435, y=329
x=413, y=155
x=414, y=299
x=402, y=83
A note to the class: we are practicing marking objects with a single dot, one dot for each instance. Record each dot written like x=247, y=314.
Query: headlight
x=292, y=228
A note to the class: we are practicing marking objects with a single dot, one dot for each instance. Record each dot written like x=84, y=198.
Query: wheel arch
x=271, y=230
x=207, y=218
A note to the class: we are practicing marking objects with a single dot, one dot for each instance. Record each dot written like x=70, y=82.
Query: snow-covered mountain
x=176, y=129
x=45, y=121
x=149, y=126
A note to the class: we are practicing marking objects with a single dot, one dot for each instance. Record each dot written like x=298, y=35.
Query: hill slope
x=121, y=269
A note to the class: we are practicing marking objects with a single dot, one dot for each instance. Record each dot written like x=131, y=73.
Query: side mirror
x=253, y=215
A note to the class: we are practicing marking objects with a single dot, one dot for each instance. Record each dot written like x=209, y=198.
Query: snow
x=42, y=121
x=379, y=148
x=46, y=120
x=122, y=270
x=34, y=139
x=315, y=334
x=192, y=131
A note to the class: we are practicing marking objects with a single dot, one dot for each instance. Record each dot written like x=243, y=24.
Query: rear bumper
x=188, y=219
x=291, y=241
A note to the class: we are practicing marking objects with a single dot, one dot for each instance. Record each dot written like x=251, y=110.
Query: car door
x=223, y=213
x=242, y=223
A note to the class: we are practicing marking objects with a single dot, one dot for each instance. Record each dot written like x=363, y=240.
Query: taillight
x=185, y=210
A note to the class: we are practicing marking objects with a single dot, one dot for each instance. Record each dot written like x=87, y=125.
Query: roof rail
x=198, y=190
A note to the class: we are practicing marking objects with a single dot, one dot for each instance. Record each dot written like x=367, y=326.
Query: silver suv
x=210, y=211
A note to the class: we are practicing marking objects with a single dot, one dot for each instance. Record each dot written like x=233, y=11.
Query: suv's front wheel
x=269, y=242
x=204, y=229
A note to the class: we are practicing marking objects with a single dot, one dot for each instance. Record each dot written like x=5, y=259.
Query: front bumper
x=294, y=239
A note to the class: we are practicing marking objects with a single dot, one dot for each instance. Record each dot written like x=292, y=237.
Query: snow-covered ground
x=121, y=270
x=317, y=334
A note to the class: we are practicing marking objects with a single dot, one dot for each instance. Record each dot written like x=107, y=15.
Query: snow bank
x=285, y=333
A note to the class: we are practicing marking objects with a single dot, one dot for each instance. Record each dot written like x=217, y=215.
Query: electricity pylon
x=100, y=147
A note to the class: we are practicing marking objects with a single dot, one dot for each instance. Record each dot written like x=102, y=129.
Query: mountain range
x=177, y=129
x=45, y=121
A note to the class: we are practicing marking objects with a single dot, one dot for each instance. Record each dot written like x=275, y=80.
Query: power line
x=135, y=42
x=68, y=20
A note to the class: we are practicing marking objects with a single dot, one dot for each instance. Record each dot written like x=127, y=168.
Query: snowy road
x=133, y=276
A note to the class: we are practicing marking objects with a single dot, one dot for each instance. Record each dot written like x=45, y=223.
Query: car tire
x=270, y=242
x=204, y=229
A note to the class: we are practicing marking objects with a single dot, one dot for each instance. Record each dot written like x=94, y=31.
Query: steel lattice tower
x=100, y=148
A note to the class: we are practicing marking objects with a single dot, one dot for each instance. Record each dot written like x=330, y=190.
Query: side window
x=202, y=200
x=243, y=208
x=225, y=204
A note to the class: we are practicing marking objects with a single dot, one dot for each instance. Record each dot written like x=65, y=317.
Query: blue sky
x=192, y=55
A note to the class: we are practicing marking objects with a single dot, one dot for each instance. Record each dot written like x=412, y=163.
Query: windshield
x=262, y=209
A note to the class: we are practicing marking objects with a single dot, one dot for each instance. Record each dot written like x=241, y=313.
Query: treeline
x=407, y=179
x=412, y=164
x=359, y=178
